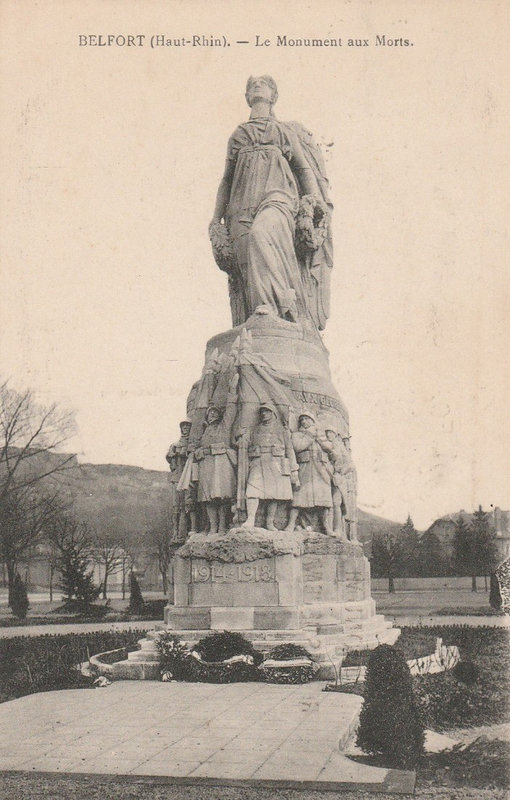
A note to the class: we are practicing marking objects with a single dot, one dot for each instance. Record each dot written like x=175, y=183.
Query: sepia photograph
x=254, y=428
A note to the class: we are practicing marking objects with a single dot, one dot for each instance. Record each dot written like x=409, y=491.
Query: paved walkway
x=255, y=733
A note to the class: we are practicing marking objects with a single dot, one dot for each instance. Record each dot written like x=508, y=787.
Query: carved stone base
x=302, y=587
x=257, y=579
x=274, y=586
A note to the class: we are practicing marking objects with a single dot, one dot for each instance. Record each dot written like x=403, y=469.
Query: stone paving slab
x=242, y=733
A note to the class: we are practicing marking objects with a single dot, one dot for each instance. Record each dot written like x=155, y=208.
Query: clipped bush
x=136, y=603
x=466, y=672
x=495, y=599
x=221, y=646
x=390, y=721
x=19, y=599
x=154, y=609
x=31, y=664
x=82, y=608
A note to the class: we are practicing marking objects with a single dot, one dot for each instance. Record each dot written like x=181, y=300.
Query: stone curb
x=395, y=782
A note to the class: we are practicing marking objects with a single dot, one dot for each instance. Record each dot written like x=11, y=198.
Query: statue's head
x=185, y=427
x=213, y=415
x=266, y=412
x=330, y=434
x=306, y=422
x=262, y=88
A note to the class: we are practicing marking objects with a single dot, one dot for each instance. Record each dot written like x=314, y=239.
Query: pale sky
x=111, y=160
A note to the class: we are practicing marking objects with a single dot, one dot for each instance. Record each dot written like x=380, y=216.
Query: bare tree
x=31, y=438
x=160, y=541
x=109, y=554
x=24, y=518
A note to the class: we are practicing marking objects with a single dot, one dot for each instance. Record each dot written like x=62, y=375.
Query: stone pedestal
x=273, y=586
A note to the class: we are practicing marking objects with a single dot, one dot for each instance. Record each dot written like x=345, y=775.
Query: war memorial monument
x=263, y=486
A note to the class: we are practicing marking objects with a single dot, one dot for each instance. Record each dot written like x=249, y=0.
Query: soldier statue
x=314, y=491
x=271, y=473
x=217, y=460
x=183, y=503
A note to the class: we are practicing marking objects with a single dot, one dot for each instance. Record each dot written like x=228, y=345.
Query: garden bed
x=31, y=664
x=447, y=700
x=412, y=643
x=152, y=610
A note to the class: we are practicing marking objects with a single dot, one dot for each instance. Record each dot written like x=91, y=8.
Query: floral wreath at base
x=286, y=663
x=291, y=670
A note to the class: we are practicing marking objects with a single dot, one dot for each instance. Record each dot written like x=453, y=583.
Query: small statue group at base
x=300, y=471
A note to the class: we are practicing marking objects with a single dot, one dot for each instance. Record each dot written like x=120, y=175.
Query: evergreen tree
x=135, y=595
x=390, y=722
x=464, y=550
x=484, y=542
x=72, y=549
x=495, y=599
x=430, y=555
x=409, y=542
x=19, y=599
x=77, y=581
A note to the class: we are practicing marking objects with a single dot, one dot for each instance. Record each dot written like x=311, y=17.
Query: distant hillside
x=126, y=498
x=368, y=524
x=118, y=497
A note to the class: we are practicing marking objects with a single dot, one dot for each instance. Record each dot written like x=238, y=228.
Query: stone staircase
x=327, y=644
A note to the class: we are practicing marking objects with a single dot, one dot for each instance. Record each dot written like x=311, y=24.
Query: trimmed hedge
x=31, y=664
x=390, y=722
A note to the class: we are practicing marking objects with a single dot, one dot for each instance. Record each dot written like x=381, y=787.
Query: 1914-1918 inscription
x=233, y=573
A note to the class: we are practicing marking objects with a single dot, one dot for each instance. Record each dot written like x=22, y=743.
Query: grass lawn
x=42, y=612
x=425, y=603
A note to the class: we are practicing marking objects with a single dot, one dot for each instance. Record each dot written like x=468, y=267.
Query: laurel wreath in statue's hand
x=311, y=224
x=222, y=247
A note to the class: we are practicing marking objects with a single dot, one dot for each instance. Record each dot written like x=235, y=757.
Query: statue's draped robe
x=261, y=215
x=263, y=204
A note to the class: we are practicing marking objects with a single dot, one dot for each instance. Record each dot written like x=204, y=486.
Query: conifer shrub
x=136, y=603
x=77, y=582
x=390, y=721
x=495, y=599
x=19, y=599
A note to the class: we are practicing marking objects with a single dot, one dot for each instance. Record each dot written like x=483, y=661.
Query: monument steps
x=328, y=650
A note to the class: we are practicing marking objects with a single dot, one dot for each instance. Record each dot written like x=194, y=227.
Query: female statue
x=274, y=241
